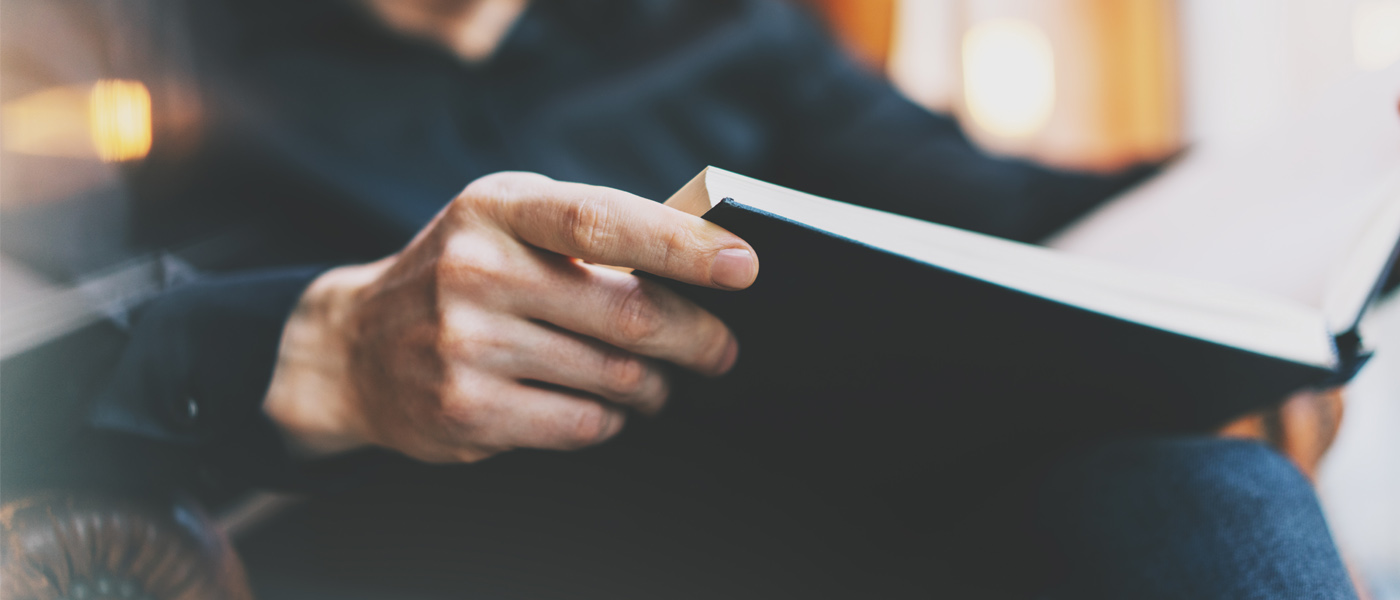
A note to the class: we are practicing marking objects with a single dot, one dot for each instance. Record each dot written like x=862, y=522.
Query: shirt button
x=187, y=412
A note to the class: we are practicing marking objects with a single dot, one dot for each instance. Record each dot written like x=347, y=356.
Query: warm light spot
x=1008, y=77
x=1375, y=33
x=49, y=122
x=120, y=119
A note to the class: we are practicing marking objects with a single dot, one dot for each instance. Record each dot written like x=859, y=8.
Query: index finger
x=611, y=227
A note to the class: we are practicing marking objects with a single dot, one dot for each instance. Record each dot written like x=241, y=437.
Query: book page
x=1280, y=214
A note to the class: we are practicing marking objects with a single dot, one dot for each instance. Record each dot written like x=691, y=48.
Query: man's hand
x=489, y=332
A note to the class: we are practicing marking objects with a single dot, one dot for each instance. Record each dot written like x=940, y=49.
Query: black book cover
x=848, y=350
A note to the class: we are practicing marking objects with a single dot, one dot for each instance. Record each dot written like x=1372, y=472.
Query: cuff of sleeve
x=195, y=372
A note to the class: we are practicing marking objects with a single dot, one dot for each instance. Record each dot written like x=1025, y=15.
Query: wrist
x=311, y=398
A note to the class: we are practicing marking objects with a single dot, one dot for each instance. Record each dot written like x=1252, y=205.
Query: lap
x=652, y=517
x=627, y=520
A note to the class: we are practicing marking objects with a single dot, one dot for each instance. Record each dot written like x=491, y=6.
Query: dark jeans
x=1143, y=518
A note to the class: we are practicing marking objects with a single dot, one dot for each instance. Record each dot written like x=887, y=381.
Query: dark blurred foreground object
x=76, y=547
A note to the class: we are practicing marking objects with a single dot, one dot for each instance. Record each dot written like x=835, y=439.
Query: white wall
x=1249, y=63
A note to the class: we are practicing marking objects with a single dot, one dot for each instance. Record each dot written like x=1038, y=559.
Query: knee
x=1167, y=486
x=1185, y=472
x=1170, y=514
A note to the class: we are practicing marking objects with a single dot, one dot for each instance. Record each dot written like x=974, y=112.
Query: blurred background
x=1077, y=83
x=1105, y=82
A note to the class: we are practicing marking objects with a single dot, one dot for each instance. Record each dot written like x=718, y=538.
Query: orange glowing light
x=120, y=119
x=109, y=120
x=49, y=122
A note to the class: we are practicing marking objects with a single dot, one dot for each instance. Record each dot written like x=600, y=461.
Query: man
x=338, y=129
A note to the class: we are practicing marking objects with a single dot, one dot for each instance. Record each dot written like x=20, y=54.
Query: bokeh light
x=120, y=119
x=1008, y=77
x=49, y=122
x=109, y=120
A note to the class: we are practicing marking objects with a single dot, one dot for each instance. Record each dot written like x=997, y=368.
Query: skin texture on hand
x=495, y=328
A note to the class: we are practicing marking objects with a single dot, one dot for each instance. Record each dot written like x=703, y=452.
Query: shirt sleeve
x=193, y=375
x=849, y=134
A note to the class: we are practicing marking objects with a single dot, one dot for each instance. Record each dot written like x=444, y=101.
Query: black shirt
x=335, y=140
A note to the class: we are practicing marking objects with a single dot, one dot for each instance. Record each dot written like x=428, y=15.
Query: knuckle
x=624, y=373
x=494, y=190
x=636, y=318
x=717, y=353
x=492, y=186
x=468, y=341
x=591, y=424
x=468, y=199
x=663, y=394
x=462, y=410
x=484, y=190
x=586, y=223
x=675, y=244
x=469, y=260
x=460, y=413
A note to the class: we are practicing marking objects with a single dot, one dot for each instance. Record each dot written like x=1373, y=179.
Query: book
x=914, y=336
x=1224, y=325
x=887, y=347
x=928, y=380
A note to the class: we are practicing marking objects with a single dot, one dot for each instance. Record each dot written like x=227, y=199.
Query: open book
x=1299, y=331
x=1223, y=286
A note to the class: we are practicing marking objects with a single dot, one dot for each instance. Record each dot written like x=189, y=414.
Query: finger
x=525, y=416
x=550, y=355
x=611, y=227
x=636, y=315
